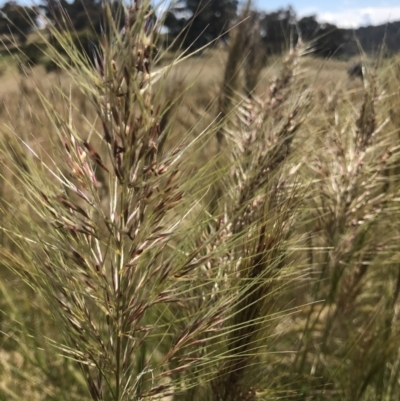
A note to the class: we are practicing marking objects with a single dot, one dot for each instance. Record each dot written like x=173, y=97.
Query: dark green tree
x=200, y=21
x=54, y=9
x=327, y=39
x=278, y=30
x=281, y=28
x=18, y=20
x=82, y=14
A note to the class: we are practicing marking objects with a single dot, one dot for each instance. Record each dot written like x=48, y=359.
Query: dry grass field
x=168, y=234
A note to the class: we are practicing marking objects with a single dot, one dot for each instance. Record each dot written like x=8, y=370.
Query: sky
x=343, y=13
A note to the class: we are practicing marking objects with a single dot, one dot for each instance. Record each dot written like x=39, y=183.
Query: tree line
x=194, y=23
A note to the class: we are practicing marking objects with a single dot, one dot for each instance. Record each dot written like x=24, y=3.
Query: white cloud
x=355, y=17
x=305, y=12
